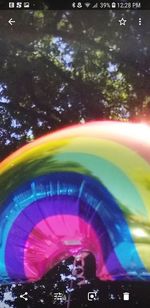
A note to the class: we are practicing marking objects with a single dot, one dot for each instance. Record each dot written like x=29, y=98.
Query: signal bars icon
x=95, y=6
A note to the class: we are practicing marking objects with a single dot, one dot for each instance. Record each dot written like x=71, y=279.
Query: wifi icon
x=87, y=4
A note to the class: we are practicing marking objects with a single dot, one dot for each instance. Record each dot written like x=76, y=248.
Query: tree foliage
x=64, y=67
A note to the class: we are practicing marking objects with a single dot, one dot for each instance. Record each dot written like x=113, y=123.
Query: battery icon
x=113, y=5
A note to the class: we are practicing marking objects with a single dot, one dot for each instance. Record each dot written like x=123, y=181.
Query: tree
x=66, y=67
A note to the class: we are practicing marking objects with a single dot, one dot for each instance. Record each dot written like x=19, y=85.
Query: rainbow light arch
x=82, y=187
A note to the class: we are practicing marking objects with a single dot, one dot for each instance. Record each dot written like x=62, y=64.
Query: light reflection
x=140, y=232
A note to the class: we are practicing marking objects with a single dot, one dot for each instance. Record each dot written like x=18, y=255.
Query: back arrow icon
x=11, y=21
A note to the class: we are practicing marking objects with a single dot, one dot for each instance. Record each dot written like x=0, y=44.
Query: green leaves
x=62, y=67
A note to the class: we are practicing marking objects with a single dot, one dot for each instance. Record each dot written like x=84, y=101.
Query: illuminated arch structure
x=86, y=187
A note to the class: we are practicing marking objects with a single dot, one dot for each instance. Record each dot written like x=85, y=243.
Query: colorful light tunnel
x=86, y=187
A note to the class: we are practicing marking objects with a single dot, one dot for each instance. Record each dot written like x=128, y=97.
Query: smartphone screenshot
x=74, y=154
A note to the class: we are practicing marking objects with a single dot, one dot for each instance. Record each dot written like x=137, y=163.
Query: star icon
x=122, y=21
